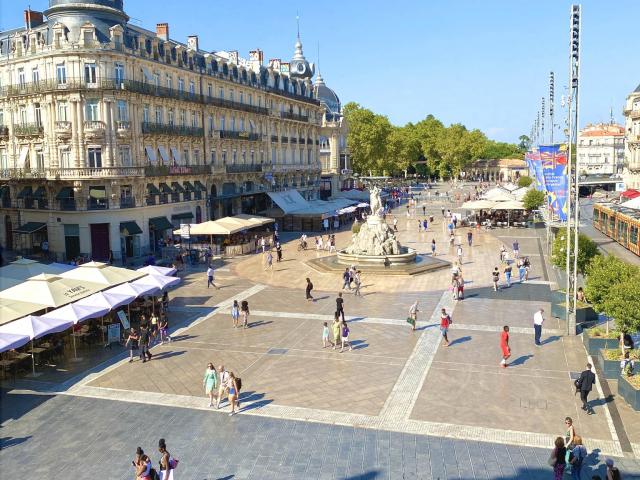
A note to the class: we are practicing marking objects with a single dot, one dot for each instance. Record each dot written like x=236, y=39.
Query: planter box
x=595, y=344
x=583, y=314
x=586, y=314
x=610, y=368
x=630, y=394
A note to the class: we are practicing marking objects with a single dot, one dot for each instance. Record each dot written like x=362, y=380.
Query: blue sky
x=482, y=63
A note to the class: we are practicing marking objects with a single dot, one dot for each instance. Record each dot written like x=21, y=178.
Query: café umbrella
x=158, y=282
x=35, y=327
x=107, y=299
x=76, y=313
x=11, y=310
x=153, y=270
x=51, y=290
x=9, y=341
x=133, y=290
x=102, y=273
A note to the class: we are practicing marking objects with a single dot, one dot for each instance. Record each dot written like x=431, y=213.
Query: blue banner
x=554, y=172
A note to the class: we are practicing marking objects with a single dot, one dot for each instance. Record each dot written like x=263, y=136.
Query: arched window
x=214, y=66
x=234, y=72
x=225, y=69
x=254, y=79
x=244, y=75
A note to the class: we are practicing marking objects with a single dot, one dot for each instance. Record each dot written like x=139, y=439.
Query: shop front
x=130, y=239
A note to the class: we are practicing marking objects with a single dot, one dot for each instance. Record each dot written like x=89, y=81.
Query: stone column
x=107, y=110
x=75, y=128
x=81, y=160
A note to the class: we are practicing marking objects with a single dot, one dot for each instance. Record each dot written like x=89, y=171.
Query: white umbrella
x=153, y=270
x=107, y=299
x=511, y=205
x=101, y=273
x=9, y=341
x=131, y=289
x=478, y=205
x=362, y=205
x=158, y=281
x=35, y=327
x=76, y=313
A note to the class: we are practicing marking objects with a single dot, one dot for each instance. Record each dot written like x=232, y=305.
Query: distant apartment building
x=631, y=174
x=112, y=135
x=600, y=149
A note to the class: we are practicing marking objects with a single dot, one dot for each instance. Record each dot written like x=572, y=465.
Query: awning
x=97, y=193
x=64, y=193
x=164, y=188
x=152, y=189
x=30, y=227
x=180, y=216
x=175, y=154
x=177, y=188
x=199, y=186
x=163, y=155
x=188, y=186
x=289, y=201
x=26, y=192
x=151, y=153
x=40, y=192
x=24, y=151
x=160, y=223
x=130, y=228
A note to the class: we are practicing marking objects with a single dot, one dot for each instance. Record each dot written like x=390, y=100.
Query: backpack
x=239, y=383
x=173, y=463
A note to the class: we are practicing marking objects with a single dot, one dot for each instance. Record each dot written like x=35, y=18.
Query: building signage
x=124, y=320
x=185, y=230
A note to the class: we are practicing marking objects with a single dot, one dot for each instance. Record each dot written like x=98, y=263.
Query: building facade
x=600, y=149
x=111, y=135
x=334, y=152
x=631, y=174
x=497, y=170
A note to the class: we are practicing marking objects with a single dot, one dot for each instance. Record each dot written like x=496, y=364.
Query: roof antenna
x=318, y=56
x=298, y=23
x=611, y=115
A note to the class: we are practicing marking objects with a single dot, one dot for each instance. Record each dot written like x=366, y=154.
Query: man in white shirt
x=223, y=384
x=538, y=320
x=210, y=278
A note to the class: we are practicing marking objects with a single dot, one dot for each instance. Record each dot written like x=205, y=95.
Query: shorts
x=444, y=330
x=345, y=339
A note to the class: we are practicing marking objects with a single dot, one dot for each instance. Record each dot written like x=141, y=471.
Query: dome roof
x=117, y=4
x=327, y=97
x=103, y=14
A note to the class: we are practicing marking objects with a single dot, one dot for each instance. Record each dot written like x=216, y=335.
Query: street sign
x=185, y=230
x=123, y=318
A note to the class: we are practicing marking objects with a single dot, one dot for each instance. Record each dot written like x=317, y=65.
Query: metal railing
x=294, y=116
x=122, y=125
x=92, y=172
x=63, y=125
x=169, y=170
x=251, y=137
x=242, y=168
x=165, y=129
x=127, y=202
x=94, y=125
x=28, y=129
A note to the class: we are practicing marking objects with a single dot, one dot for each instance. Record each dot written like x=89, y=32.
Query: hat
x=609, y=462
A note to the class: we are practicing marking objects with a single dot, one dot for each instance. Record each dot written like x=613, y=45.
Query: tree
x=587, y=250
x=621, y=304
x=501, y=150
x=602, y=274
x=525, y=181
x=525, y=143
x=533, y=199
x=367, y=138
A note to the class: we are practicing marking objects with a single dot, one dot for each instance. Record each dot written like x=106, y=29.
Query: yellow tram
x=619, y=223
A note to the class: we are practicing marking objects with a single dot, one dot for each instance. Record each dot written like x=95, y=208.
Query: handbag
x=411, y=321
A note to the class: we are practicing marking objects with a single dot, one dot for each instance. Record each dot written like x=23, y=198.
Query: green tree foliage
x=533, y=199
x=602, y=274
x=587, y=250
x=525, y=143
x=621, y=304
x=377, y=146
x=525, y=181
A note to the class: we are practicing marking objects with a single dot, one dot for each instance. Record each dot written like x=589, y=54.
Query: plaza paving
x=416, y=399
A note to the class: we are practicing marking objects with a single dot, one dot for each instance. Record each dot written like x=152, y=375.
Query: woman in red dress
x=504, y=345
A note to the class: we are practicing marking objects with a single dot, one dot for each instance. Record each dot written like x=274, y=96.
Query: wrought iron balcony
x=123, y=126
x=251, y=137
x=169, y=170
x=63, y=127
x=14, y=173
x=127, y=202
x=242, y=168
x=28, y=130
x=294, y=116
x=164, y=129
x=91, y=172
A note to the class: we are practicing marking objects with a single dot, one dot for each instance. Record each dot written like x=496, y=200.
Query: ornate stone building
x=600, y=149
x=334, y=153
x=111, y=134
x=631, y=172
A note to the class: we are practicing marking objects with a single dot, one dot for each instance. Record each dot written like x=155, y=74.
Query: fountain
x=375, y=248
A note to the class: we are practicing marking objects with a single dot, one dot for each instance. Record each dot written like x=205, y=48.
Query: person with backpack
x=167, y=463
x=234, y=392
x=579, y=453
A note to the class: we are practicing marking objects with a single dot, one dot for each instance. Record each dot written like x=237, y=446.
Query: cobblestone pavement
x=44, y=436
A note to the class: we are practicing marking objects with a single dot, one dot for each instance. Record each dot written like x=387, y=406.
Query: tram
x=622, y=224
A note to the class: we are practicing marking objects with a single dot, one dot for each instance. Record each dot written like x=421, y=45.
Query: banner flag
x=554, y=171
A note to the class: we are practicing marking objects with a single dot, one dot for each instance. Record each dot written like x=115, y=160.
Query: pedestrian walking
x=358, y=283
x=167, y=462
x=308, y=289
x=132, y=343
x=325, y=336
x=507, y=274
x=318, y=244
x=503, y=253
x=413, y=315
x=419, y=225
x=332, y=243
x=340, y=305
x=234, y=392
x=336, y=330
x=164, y=329
x=455, y=222
x=210, y=382
x=496, y=279
x=557, y=459
x=521, y=270
x=584, y=384
x=569, y=435
x=442, y=210
x=424, y=210
x=278, y=252
x=516, y=249
x=578, y=454
x=346, y=276
x=244, y=310
x=344, y=329
x=263, y=244
x=145, y=354
x=469, y=237
x=460, y=287
x=459, y=252
x=223, y=384
x=210, y=278
x=504, y=346
x=612, y=471
x=527, y=267
x=433, y=247
x=445, y=323
x=268, y=264
x=538, y=320
x=395, y=222
x=153, y=331
x=142, y=465
x=235, y=313
x=425, y=225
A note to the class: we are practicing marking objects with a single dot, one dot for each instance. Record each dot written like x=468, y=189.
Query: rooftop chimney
x=162, y=31
x=192, y=42
x=32, y=18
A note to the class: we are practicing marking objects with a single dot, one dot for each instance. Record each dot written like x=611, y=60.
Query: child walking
x=235, y=313
x=345, y=337
x=244, y=308
x=325, y=336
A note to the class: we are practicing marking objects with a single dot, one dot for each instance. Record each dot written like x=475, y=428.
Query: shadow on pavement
x=15, y=405
x=161, y=355
x=6, y=442
x=533, y=293
x=365, y=476
x=455, y=341
x=520, y=360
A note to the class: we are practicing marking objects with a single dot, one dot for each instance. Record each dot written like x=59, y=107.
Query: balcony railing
x=127, y=202
x=284, y=139
x=162, y=129
x=68, y=204
x=274, y=138
x=28, y=130
x=241, y=168
x=91, y=172
x=22, y=173
x=63, y=126
x=95, y=125
x=168, y=170
x=294, y=140
x=97, y=204
x=251, y=137
x=294, y=116
x=4, y=131
x=221, y=102
x=123, y=126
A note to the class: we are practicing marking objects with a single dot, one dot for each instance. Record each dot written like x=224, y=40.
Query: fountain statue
x=375, y=237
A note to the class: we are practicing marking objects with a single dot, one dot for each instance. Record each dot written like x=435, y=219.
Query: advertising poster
x=554, y=171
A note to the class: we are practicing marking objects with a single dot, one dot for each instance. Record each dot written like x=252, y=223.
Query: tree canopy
x=533, y=199
x=587, y=249
x=602, y=274
x=379, y=147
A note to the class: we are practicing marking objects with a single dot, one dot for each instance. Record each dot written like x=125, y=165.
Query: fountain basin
x=409, y=263
x=407, y=256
